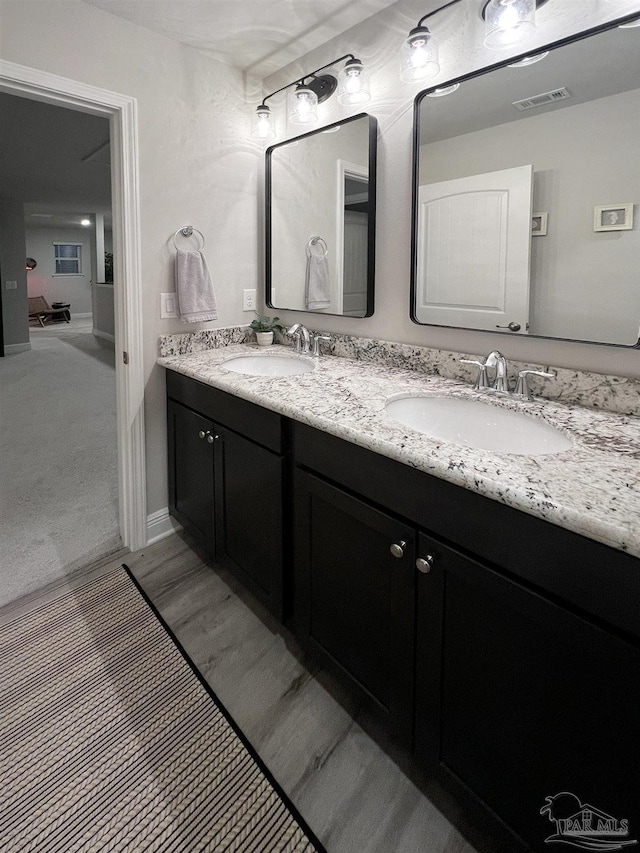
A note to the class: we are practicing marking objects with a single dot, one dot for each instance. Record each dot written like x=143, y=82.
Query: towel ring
x=313, y=241
x=188, y=231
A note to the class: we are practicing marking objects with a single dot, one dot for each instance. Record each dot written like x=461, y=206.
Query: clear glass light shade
x=303, y=106
x=508, y=21
x=263, y=123
x=353, y=84
x=419, y=56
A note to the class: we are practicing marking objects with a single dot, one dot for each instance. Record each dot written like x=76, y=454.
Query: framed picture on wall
x=539, y=224
x=613, y=217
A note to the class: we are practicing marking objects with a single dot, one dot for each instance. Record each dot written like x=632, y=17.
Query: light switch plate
x=13, y=285
x=168, y=306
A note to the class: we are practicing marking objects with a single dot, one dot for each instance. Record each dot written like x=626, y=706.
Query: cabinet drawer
x=260, y=425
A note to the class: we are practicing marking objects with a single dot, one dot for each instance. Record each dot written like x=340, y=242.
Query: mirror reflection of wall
x=320, y=203
x=582, y=143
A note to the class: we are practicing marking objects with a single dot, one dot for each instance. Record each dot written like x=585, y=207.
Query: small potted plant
x=264, y=328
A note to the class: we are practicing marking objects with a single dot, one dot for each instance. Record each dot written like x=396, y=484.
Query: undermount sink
x=476, y=424
x=268, y=365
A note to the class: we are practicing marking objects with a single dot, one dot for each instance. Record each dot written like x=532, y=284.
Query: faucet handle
x=522, y=386
x=482, y=380
x=315, y=341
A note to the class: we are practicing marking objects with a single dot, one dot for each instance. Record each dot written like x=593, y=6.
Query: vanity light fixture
x=312, y=89
x=509, y=21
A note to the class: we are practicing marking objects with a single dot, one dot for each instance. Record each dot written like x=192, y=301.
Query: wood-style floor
x=347, y=787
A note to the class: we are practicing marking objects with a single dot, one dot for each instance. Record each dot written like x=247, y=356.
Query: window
x=68, y=258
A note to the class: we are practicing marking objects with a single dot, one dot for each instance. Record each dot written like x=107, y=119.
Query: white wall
x=196, y=163
x=377, y=42
x=15, y=308
x=584, y=284
x=104, y=325
x=42, y=281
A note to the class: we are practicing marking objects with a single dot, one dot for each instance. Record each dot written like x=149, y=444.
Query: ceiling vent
x=560, y=94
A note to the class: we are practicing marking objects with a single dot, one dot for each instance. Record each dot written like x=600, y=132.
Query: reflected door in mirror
x=473, y=250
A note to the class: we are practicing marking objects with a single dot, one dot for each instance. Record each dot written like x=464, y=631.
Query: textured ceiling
x=259, y=36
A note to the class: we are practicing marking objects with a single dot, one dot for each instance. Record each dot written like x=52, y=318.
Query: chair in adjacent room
x=40, y=310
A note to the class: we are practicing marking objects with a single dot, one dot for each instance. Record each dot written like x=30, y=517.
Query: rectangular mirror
x=526, y=182
x=320, y=220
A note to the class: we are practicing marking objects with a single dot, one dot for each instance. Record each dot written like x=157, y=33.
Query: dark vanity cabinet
x=516, y=694
x=226, y=480
x=501, y=650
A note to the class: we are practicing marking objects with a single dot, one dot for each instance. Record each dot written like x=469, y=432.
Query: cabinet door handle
x=397, y=549
x=425, y=564
x=212, y=438
x=201, y=434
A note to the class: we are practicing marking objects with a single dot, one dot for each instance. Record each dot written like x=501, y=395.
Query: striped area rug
x=111, y=741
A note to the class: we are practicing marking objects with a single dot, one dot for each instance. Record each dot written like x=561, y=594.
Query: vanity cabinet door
x=354, y=600
x=249, y=516
x=519, y=700
x=191, y=485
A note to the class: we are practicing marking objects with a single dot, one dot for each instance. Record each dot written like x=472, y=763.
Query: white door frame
x=121, y=110
x=345, y=169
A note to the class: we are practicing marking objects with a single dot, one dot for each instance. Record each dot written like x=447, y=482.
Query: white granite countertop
x=592, y=489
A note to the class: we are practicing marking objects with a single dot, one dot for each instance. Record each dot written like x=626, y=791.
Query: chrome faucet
x=496, y=360
x=301, y=338
x=500, y=384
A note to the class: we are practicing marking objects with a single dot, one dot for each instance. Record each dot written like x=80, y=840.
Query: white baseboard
x=160, y=525
x=11, y=348
x=107, y=337
x=75, y=316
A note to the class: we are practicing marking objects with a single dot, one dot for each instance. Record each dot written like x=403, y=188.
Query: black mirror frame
x=371, y=235
x=585, y=34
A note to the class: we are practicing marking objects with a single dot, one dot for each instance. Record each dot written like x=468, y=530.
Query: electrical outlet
x=168, y=306
x=248, y=300
x=13, y=285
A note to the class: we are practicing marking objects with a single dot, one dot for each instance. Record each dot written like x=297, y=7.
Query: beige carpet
x=58, y=458
x=110, y=741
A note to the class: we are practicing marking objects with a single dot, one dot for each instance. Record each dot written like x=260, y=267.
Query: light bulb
x=353, y=86
x=304, y=106
x=508, y=21
x=419, y=56
x=262, y=123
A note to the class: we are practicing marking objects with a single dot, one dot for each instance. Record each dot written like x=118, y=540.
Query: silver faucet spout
x=301, y=338
x=497, y=361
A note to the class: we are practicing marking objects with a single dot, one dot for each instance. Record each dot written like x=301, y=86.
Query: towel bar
x=188, y=231
x=313, y=241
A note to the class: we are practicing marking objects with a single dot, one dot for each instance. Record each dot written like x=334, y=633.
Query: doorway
x=121, y=111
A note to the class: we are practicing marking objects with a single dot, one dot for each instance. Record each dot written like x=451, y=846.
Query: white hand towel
x=316, y=286
x=196, y=299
